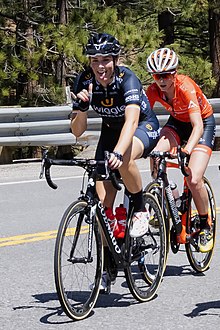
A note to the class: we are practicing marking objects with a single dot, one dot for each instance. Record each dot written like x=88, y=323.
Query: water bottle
x=121, y=216
x=112, y=221
x=175, y=193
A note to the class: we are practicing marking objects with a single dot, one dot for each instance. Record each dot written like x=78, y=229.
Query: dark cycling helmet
x=162, y=60
x=102, y=44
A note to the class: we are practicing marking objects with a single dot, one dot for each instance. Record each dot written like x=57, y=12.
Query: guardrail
x=50, y=126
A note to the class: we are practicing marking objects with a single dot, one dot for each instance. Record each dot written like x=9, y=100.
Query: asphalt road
x=30, y=214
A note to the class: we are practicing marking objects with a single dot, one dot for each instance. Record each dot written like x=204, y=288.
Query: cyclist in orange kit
x=191, y=124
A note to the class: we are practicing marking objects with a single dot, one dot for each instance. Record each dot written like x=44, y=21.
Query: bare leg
x=131, y=178
x=106, y=193
x=168, y=140
x=198, y=163
x=129, y=170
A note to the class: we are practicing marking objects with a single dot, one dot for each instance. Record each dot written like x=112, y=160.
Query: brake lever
x=45, y=153
x=45, y=169
x=111, y=174
x=181, y=156
x=107, y=156
x=48, y=176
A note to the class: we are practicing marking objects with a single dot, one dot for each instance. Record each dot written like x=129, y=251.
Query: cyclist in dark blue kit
x=130, y=129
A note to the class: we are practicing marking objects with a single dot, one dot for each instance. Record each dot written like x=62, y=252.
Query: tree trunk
x=24, y=40
x=166, y=23
x=214, y=40
x=62, y=9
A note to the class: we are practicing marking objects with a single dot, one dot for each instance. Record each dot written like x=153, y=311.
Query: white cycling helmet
x=162, y=60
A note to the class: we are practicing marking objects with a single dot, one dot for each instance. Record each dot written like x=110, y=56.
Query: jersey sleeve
x=131, y=87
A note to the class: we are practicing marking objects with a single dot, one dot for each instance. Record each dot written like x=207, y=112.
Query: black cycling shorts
x=184, y=130
x=147, y=131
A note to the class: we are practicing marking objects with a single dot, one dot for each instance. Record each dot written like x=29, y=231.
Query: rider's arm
x=191, y=99
x=79, y=123
x=132, y=112
x=197, y=131
x=79, y=120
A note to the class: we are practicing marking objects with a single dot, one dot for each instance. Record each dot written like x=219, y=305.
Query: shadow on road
x=51, y=317
x=205, y=309
x=184, y=270
x=56, y=315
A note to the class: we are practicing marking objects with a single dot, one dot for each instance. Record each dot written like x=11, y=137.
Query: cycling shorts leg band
x=172, y=132
x=148, y=133
x=203, y=148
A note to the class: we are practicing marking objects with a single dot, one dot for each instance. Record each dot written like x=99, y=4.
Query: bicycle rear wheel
x=200, y=261
x=74, y=269
x=146, y=255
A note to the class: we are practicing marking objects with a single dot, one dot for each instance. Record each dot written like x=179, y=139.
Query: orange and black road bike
x=181, y=216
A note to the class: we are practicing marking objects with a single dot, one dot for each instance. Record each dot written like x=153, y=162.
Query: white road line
x=39, y=180
x=68, y=178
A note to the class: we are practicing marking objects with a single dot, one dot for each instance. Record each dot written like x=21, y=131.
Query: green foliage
x=56, y=94
x=5, y=92
x=2, y=57
x=200, y=71
x=134, y=23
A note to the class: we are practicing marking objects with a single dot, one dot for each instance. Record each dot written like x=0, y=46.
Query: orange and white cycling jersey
x=188, y=99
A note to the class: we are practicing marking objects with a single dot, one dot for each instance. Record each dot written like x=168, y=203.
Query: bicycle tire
x=73, y=277
x=199, y=261
x=154, y=188
x=146, y=255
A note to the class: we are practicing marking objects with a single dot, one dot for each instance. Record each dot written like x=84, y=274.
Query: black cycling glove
x=81, y=105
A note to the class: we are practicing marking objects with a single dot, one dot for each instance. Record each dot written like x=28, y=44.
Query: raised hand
x=86, y=95
x=84, y=99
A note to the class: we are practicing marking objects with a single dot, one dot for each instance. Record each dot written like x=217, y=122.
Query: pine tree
x=42, y=42
x=214, y=41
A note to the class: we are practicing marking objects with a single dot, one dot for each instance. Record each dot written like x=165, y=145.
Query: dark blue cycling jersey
x=110, y=102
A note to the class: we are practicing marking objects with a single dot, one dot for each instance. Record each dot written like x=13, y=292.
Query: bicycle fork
x=176, y=219
x=90, y=221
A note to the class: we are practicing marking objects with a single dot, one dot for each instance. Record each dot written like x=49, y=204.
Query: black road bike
x=78, y=258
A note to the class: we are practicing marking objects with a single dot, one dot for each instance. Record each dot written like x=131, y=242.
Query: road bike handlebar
x=180, y=155
x=87, y=164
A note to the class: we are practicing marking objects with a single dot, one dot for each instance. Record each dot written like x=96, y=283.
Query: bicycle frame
x=180, y=223
x=95, y=206
x=98, y=209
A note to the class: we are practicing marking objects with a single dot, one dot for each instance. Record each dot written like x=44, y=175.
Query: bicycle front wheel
x=146, y=254
x=200, y=261
x=78, y=271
